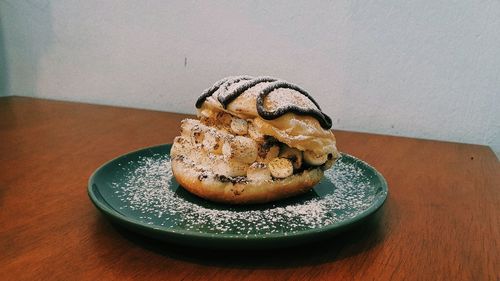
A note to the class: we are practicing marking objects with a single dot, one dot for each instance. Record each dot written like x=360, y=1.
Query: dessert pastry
x=257, y=139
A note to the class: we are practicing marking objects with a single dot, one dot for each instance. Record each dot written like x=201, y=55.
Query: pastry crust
x=242, y=192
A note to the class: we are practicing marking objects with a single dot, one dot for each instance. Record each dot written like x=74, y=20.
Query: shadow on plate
x=356, y=240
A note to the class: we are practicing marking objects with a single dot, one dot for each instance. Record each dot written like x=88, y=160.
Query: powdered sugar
x=283, y=97
x=148, y=190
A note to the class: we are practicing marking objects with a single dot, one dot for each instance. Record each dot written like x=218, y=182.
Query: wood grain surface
x=440, y=222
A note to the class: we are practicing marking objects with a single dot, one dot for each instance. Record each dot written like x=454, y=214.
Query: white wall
x=428, y=69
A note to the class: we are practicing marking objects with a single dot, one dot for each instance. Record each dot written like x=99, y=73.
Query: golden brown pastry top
x=275, y=108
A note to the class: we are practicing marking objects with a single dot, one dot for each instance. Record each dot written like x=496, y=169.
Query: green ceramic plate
x=137, y=190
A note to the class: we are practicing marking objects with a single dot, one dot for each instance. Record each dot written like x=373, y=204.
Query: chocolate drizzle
x=223, y=82
x=228, y=97
x=210, y=91
x=323, y=119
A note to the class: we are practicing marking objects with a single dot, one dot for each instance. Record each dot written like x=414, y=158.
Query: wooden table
x=440, y=222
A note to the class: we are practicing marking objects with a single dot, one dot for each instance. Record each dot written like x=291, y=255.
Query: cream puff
x=256, y=140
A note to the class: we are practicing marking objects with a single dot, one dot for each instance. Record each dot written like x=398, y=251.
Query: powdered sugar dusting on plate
x=147, y=188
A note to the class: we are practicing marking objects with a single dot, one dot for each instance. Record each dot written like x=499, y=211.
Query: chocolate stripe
x=210, y=91
x=227, y=99
x=324, y=120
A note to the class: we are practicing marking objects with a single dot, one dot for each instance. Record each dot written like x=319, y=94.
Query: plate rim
x=112, y=213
